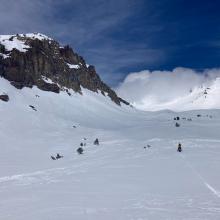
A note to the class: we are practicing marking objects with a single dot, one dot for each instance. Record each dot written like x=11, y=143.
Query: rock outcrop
x=4, y=97
x=36, y=60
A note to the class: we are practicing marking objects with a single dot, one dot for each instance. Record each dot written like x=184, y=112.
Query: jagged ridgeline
x=28, y=60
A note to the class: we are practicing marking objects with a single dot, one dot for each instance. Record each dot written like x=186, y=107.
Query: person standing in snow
x=80, y=150
x=96, y=142
x=179, y=149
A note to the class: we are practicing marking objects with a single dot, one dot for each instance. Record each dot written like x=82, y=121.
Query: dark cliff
x=27, y=60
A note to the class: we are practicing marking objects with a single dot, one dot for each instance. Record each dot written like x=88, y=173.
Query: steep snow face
x=38, y=36
x=178, y=90
x=135, y=173
x=16, y=42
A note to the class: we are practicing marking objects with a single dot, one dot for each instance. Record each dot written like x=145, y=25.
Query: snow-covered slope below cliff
x=120, y=178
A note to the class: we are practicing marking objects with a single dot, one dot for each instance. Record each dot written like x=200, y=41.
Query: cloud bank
x=180, y=89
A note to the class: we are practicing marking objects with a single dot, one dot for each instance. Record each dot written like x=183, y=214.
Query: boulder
x=4, y=97
x=50, y=87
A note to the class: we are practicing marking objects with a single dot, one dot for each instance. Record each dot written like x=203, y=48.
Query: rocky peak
x=28, y=60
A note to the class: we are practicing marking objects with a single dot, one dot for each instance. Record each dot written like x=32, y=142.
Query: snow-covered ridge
x=17, y=41
x=11, y=42
x=38, y=36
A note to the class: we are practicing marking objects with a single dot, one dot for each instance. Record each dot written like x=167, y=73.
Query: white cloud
x=180, y=89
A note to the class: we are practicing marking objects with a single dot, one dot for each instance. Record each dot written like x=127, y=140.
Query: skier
x=179, y=149
x=96, y=142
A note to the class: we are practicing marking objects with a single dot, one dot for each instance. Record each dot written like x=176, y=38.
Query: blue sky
x=122, y=36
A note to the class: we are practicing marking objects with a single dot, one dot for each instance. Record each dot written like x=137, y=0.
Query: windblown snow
x=179, y=90
x=134, y=174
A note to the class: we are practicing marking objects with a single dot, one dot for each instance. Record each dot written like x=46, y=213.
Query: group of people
x=96, y=142
x=79, y=150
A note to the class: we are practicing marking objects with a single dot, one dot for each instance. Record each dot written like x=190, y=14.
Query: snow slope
x=179, y=90
x=119, y=179
x=199, y=98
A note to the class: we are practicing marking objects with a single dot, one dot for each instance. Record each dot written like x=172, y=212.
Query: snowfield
x=119, y=179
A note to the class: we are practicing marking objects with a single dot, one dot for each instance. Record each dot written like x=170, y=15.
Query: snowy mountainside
x=181, y=89
x=135, y=172
x=54, y=111
x=27, y=59
x=201, y=97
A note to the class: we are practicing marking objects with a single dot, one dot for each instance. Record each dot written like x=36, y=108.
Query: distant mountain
x=28, y=60
x=200, y=97
x=181, y=89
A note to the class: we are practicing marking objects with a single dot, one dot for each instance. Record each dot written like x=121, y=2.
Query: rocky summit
x=28, y=60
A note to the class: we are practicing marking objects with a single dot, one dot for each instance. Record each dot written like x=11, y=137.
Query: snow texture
x=73, y=66
x=12, y=42
x=38, y=36
x=47, y=80
x=119, y=179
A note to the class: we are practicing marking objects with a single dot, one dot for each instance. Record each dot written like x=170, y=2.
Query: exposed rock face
x=52, y=87
x=4, y=98
x=37, y=57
